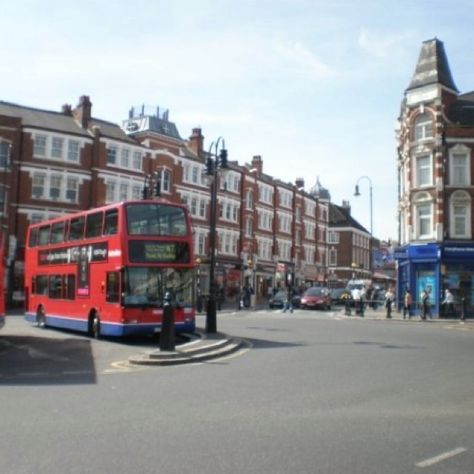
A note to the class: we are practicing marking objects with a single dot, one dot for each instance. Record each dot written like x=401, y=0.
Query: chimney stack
x=196, y=141
x=347, y=207
x=299, y=183
x=83, y=112
x=66, y=109
x=257, y=163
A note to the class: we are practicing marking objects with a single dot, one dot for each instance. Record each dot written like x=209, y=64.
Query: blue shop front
x=436, y=267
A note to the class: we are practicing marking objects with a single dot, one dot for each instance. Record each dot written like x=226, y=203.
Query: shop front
x=419, y=270
x=437, y=267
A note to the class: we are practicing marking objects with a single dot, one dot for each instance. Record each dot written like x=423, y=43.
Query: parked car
x=279, y=298
x=336, y=294
x=316, y=297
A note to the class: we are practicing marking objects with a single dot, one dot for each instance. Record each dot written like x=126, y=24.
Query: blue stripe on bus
x=108, y=329
x=2, y=320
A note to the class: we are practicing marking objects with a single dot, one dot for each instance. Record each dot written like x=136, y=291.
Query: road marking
x=441, y=457
x=122, y=366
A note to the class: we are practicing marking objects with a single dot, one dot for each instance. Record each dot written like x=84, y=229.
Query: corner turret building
x=436, y=187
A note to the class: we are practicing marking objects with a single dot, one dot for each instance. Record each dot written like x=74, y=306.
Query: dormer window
x=423, y=127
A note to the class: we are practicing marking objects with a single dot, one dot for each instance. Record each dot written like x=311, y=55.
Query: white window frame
x=420, y=170
x=423, y=202
x=56, y=147
x=423, y=127
x=459, y=175
x=333, y=237
x=4, y=154
x=458, y=200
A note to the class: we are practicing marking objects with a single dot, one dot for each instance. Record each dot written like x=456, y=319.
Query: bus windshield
x=144, y=286
x=156, y=219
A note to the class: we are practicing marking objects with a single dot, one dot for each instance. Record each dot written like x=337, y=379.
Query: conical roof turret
x=432, y=67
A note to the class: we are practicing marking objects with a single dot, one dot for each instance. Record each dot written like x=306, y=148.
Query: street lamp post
x=217, y=159
x=152, y=186
x=356, y=194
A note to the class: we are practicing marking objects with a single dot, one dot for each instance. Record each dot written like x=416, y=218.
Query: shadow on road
x=384, y=345
x=29, y=360
x=267, y=344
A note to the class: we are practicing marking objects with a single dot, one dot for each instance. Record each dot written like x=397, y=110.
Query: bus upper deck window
x=111, y=222
x=94, y=224
x=43, y=238
x=33, y=242
x=76, y=229
x=57, y=232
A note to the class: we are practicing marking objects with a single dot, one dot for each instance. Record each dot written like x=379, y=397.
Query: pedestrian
x=448, y=303
x=389, y=297
x=425, y=305
x=289, y=298
x=238, y=295
x=407, y=302
x=362, y=302
x=463, y=307
x=369, y=295
x=356, y=298
x=346, y=298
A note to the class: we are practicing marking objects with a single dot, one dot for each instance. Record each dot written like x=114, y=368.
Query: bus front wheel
x=95, y=325
x=40, y=317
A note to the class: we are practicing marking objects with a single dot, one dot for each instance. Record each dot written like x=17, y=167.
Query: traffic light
x=209, y=166
x=223, y=158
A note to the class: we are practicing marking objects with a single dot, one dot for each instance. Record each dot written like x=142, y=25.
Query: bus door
x=112, y=287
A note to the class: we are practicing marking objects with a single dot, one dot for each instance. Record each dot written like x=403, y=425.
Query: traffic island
x=202, y=349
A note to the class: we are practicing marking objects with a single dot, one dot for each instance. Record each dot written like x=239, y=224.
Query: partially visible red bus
x=105, y=271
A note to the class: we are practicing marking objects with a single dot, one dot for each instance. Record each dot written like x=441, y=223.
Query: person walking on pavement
x=346, y=298
x=289, y=298
x=362, y=302
x=389, y=297
x=448, y=303
x=425, y=305
x=407, y=302
x=356, y=298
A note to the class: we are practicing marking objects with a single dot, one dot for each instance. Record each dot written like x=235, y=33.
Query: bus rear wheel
x=40, y=317
x=95, y=325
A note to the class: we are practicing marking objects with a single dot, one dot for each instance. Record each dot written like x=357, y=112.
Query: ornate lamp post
x=217, y=159
x=152, y=186
x=357, y=194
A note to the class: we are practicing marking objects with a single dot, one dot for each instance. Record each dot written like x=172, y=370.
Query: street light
x=216, y=160
x=152, y=186
x=356, y=194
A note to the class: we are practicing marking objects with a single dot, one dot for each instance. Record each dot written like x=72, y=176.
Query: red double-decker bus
x=106, y=271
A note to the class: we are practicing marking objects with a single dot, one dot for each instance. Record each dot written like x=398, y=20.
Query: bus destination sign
x=146, y=251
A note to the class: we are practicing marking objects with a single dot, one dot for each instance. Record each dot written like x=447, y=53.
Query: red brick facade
x=268, y=232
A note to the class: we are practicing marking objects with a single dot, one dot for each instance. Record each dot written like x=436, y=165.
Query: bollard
x=167, y=339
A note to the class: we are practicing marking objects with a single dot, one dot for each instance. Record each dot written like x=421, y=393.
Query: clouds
x=298, y=58
x=313, y=86
x=383, y=45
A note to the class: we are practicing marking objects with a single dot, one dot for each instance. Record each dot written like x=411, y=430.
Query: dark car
x=279, y=298
x=336, y=294
x=316, y=297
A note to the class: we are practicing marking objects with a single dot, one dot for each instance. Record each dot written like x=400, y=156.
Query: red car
x=316, y=297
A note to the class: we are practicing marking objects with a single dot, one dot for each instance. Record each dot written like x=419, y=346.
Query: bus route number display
x=142, y=251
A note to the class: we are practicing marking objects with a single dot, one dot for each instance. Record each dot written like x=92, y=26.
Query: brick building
x=269, y=232
x=435, y=150
x=348, y=247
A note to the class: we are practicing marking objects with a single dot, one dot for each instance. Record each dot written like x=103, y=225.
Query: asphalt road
x=313, y=393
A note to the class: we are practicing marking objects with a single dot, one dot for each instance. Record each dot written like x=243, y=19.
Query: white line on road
x=441, y=457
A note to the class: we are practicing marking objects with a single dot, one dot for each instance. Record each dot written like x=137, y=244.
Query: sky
x=314, y=87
